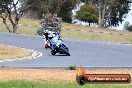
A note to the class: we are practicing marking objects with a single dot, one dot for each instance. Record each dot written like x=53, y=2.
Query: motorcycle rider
x=55, y=39
x=48, y=35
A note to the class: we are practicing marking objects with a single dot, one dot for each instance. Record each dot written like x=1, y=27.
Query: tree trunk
x=89, y=23
x=15, y=24
x=7, y=27
x=102, y=11
x=14, y=28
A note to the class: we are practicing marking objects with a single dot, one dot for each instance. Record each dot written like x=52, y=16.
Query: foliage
x=66, y=10
x=10, y=9
x=72, y=67
x=111, y=12
x=40, y=31
x=88, y=13
x=127, y=26
x=116, y=12
x=61, y=7
x=38, y=6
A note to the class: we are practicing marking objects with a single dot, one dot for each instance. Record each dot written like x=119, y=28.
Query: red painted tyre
x=81, y=80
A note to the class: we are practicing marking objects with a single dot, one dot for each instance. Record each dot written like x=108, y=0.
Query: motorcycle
x=58, y=46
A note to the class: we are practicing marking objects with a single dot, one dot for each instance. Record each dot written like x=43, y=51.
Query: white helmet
x=45, y=31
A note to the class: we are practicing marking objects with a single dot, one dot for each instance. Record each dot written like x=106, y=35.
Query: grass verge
x=31, y=84
x=75, y=31
x=10, y=52
x=85, y=32
x=53, y=78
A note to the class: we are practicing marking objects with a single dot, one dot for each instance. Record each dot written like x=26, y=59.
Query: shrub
x=88, y=13
x=72, y=67
x=127, y=26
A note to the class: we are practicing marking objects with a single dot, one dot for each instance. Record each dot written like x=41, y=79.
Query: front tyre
x=68, y=54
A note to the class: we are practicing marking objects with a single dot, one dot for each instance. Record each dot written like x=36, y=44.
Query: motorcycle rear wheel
x=53, y=52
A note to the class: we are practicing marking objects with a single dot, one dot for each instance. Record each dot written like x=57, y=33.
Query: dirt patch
x=10, y=52
x=52, y=75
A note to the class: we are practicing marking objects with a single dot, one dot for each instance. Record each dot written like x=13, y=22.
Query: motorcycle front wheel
x=68, y=54
x=66, y=51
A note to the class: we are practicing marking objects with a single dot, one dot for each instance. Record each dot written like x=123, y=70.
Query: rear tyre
x=53, y=52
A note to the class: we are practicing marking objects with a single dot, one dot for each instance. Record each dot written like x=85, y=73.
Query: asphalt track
x=83, y=52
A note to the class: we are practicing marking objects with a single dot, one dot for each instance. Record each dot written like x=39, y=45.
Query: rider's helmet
x=45, y=31
x=60, y=38
x=50, y=35
x=54, y=34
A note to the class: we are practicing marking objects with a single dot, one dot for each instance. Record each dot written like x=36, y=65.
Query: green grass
x=31, y=84
x=97, y=36
x=72, y=31
x=72, y=67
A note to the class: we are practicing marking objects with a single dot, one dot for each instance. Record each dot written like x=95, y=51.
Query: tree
x=61, y=7
x=117, y=12
x=66, y=10
x=127, y=26
x=102, y=10
x=88, y=13
x=37, y=6
x=111, y=12
x=4, y=13
x=13, y=11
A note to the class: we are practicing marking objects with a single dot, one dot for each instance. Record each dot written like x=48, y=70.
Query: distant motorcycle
x=58, y=46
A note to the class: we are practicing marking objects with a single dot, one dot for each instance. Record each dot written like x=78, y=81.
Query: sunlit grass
x=31, y=84
x=97, y=36
x=9, y=52
x=75, y=31
x=53, y=78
